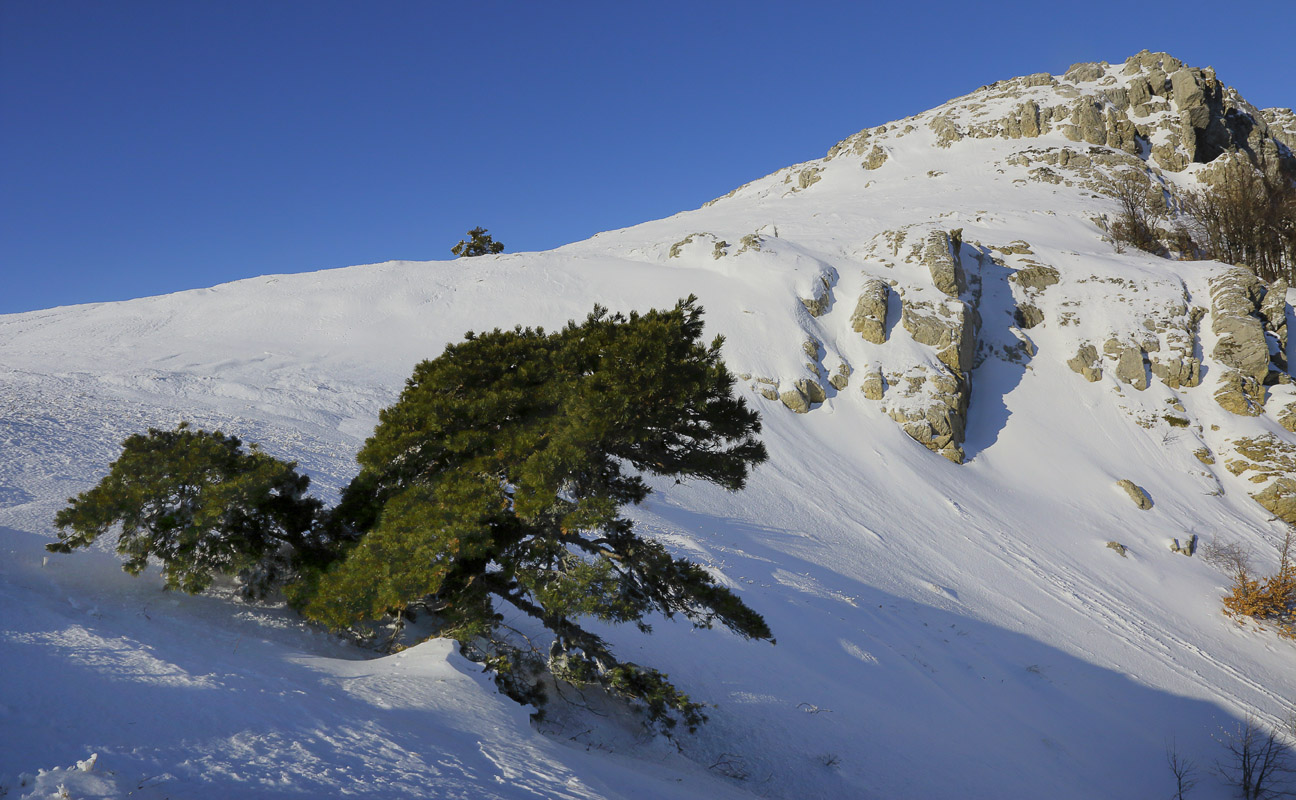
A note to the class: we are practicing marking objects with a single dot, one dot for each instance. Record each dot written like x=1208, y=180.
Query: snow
x=942, y=630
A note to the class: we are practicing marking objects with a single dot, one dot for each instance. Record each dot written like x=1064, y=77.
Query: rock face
x=1242, y=348
x=869, y=319
x=1136, y=493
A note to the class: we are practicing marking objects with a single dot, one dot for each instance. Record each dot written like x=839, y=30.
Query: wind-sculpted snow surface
x=977, y=368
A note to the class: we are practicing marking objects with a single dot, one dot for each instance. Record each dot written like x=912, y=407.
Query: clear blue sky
x=148, y=147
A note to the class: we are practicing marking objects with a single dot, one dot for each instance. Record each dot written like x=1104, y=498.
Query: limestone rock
x=1279, y=498
x=931, y=406
x=1273, y=313
x=1027, y=316
x=1271, y=461
x=808, y=177
x=875, y=158
x=1087, y=123
x=1130, y=367
x=874, y=384
x=804, y=393
x=1085, y=72
x=1239, y=393
x=795, y=400
x=1120, y=549
x=869, y=319
x=1242, y=347
x=946, y=130
x=1086, y=363
x=1035, y=276
x=1136, y=493
x=1187, y=548
x=822, y=298
x=942, y=261
x=949, y=327
x=841, y=378
x=1287, y=417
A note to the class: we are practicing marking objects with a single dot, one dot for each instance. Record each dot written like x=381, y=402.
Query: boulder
x=804, y=393
x=1130, y=366
x=869, y=319
x=1027, y=316
x=1136, y=493
x=1085, y=362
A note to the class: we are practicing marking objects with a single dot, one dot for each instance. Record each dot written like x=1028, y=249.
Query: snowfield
x=943, y=630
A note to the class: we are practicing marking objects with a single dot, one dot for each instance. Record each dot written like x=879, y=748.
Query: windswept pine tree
x=498, y=478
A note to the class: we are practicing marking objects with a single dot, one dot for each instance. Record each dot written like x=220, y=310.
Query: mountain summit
x=1014, y=461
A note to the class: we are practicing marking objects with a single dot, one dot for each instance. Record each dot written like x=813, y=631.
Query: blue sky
x=149, y=147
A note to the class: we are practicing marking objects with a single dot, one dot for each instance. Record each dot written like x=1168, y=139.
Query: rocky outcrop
x=1030, y=281
x=1136, y=493
x=931, y=406
x=1171, y=350
x=1273, y=313
x=1086, y=363
x=941, y=255
x=869, y=319
x=1131, y=367
x=821, y=299
x=1287, y=417
x=950, y=327
x=841, y=377
x=1241, y=348
x=874, y=384
x=1270, y=462
x=803, y=394
x=875, y=158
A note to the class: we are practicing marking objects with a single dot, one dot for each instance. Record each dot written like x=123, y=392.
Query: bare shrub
x=1184, y=770
x=1228, y=557
x=1259, y=764
x=1142, y=207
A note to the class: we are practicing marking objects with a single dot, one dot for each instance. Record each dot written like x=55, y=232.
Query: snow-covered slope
x=944, y=629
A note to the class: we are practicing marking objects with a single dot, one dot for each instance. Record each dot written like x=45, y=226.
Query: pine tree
x=497, y=479
x=202, y=506
x=480, y=244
